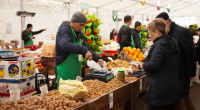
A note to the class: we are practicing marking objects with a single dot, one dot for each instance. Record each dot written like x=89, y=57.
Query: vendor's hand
x=191, y=77
x=140, y=65
x=44, y=29
x=31, y=37
x=88, y=55
x=101, y=62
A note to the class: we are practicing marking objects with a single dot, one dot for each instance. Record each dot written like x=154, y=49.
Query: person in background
x=28, y=35
x=137, y=38
x=191, y=28
x=187, y=59
x=125, y=37
x=198, y=46
x=161, y=68
x=113, y=33
x=70, y=47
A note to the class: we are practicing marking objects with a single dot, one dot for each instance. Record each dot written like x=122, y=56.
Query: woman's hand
x=140, y=65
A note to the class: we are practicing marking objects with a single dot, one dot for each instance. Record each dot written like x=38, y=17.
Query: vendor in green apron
x=28, y=35
x=137, y=37
x=71, y=47
x=125, y=37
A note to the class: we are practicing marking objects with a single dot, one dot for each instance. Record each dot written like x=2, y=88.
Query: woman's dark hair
x=137, y=23
x=127, y=18
x=198, y=29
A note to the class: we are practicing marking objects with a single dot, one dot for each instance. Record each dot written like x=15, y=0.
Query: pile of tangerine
x=136, y=54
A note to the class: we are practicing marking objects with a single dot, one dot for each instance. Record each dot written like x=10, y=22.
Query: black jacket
x=136, y=38
x=25, y=36
x=187, y=55
x=124, y=37
x=193, y=32
x=198, y=50
x=65, y=45
x=111, y=35
x=161, y=67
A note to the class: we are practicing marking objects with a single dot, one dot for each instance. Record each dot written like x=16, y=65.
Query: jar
x=121, y=75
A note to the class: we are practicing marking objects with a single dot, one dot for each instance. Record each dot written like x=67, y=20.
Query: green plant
x=144, y=36
x=91, y=34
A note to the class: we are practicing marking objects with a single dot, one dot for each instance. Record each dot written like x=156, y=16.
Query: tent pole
x=22, y=21
x=69, y=11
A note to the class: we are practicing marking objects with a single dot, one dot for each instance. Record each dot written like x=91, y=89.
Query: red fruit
x=89, y=41
x=96, y=32
x=87, y=33
x=88, y=21
x=36, y=61
x=96, y=19
x=23, y=55
x=40, y=65
x=99, y=39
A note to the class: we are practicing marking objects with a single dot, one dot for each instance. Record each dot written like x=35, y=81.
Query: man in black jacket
x=136, y=35
x=27, y=35
x=125, y=39
x=187, y=57
x=192, y=30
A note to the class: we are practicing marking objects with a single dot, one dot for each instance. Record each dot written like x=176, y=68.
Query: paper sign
x=84, y=7
x=18, y=46
x=10, y=47
x=114, y=13
x=15, y=95
x=44, y=90
x=79, y=57
x=36, y=70
x=24, y=66
x=140, y=84
x=111, y=100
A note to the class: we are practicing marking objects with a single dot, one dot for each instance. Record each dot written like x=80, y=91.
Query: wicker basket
x=48, y=61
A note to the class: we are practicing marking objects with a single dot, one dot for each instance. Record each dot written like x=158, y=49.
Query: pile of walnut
x=98, y=88
x=52, y=101
x=118, y=63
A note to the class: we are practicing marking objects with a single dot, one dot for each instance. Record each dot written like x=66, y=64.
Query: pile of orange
x=136, y=54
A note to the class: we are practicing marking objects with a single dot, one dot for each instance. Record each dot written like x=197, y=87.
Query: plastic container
x=121, y=75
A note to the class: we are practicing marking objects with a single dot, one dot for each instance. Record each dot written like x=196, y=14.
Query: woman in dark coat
x=112, y=33
x=198, y=46
x=161, y=67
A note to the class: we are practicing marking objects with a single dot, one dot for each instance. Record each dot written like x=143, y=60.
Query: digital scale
x=101, y=76
x=8, y=55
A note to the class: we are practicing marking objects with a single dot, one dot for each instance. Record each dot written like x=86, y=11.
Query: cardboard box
x=23, y=68
x=4, y=99
x=26, y=86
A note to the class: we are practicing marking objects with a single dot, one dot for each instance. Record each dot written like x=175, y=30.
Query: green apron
x=141, y=41
x=30, y=41
x=133, y=44
x=71, y=67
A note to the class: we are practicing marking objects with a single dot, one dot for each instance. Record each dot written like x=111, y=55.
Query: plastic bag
x=96, y=66
x=73, y=89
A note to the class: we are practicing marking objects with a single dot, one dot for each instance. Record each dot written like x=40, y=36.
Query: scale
x=101, y=76
x=8, y=55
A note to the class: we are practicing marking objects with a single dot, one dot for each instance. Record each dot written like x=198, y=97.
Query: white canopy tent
x=51, y=13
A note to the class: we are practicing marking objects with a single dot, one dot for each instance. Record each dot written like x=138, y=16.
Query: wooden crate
x=120, y=96
x=83, y=107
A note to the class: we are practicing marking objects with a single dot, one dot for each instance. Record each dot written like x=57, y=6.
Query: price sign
x=44, y=90
x=111, y=100
x=15, y=95
x=24, y=66
x=140, y=84
x=36, y=70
